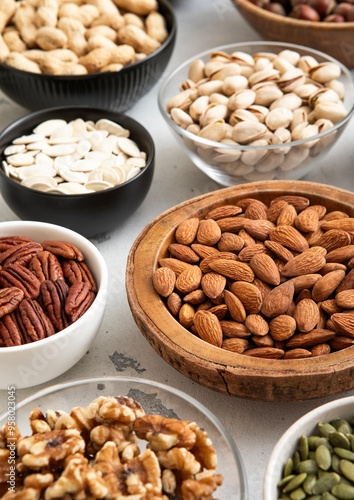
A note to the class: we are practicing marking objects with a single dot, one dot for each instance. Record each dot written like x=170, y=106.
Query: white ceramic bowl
x=38, y=362
x=287, y=444
x=155, y=398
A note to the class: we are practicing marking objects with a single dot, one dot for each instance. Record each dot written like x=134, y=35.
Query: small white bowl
x=38, y=362
x=287, y=444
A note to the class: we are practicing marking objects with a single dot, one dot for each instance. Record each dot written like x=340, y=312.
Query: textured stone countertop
x=120, y=348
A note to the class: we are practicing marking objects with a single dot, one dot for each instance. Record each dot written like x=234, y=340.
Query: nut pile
x=74, y=158
x=271, y=281
x=44, y=287
x=322, y=466
x=330, y=11
x=67, y=37
x=264, y=99
x=94, y=453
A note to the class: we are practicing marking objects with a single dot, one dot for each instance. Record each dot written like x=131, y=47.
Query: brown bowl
x=335, y=39
x=230, y=373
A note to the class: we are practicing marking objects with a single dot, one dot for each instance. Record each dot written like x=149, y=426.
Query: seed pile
x=271, y=281
x=322, y=467
x=75, y=157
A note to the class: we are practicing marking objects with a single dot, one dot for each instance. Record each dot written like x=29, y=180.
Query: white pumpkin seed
x=47, y=128
x=128, y=146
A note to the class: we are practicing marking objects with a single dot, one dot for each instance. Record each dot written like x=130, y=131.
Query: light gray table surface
x=120, y=348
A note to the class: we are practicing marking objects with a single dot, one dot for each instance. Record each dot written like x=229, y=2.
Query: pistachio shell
x=245, y=132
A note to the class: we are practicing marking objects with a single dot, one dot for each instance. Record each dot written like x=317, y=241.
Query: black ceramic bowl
x=88, y=214
x=111, y=90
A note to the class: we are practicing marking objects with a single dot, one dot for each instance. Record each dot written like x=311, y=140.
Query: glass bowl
x=230, y=164
x=155, y=398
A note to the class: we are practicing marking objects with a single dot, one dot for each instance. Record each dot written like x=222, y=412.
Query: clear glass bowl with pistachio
x=257, y=111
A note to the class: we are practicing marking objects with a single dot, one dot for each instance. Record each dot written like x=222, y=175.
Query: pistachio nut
x=281, y=136
x=306, y=63
x=334, y=111
x=282, y=64
x=300, y=115
x=245, y=132
x=181, y=118
x=212, y=66
x=188, y=84
x=305, y=131
x=323, y=95
x=323, y=124
x=227, y=155
x=209, y=87
x=291, y=79
x=266, y=93
x=214, y=131
x=260, y=176
x=196, y=70
x=294, y=159
x=338, y=86
x=266, y=75
x=290, y=101
x=270, y=162
x=233, y=84
x=242, y=115
x=306, y=90
x=220, y=56
x=325, y=72
x=241, y=99
x=198, y=107
x=218, y=98
x=253, y=156
x=267, y=55
x=291, y=56
x=212, y=113
x=262, y=63
x=242, y=58
x=278, y=117
x=229, y=69
x=182, y=100
x=260, y=112
x=193, y=129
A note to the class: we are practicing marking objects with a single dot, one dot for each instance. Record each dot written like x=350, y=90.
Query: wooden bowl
x=335, y=39
x=226, y=372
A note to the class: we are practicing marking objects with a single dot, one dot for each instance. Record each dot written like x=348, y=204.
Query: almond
x=332, y=266
x=305, y=263
x=334, y=238
x=265, y=352
x=256, y=211
x=307, y=220
x=320, y=209
x=189, y=280
x=306, y=281
x=317, y=336
x=263, y=341
x=230, y=242
x=235, y=306
x=345, y=224
x=195, y=297
x=208, y=233
x=306, y=315
x=204, y=250
x=208, y=328
x=347, y=283
x=331, y=307
x=231, y=224
x=183, y=252
x=174, y=303
x=297, y=354
x=345, y=299
x=341, y=342
x=164, y=280
x=326, y=285
x=186, y=231
x=341, y=254
x=213, y=284
x=278, y=300
x=247, y=238
x=246, y=202
x=219, y=311
x=336, y=214
x=282, y=327
x=249, y=251
x=186, y=315
x=264, y=268
x=320, y=350
x=299, y=202
x=279, y=250
x=304, y=294
x=249, y=295
x=259, y=229
x=234, y=329
x=224, y=212
x=262, y=287
x=176, y=265
x=233, y=269
x=235, y=345
x=313, y=237
x=257, y=325
x=289, y=237
x=204, y=264
x=287, y=216
x=274, y=210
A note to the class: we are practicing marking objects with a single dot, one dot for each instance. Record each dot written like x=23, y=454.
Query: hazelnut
x=342, y=9
x=350, y=15
x=334, y=18
x=305, y=13
x=276, y=8
x=323, y=7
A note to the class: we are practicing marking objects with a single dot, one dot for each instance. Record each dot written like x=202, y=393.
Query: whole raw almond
x=164, y=280
x=189, y=280
x=326, y=285
x=224, y=212
x=235, y=345
x=265, y=268
x=233, y=269
x=305, y=263
x=263, y=341
x=186, y=231
x=174, y=303
x=235, y=306
x=341, y=342
x=208, y=233
x=204, y=250
x=279, y=250
x=332, y=266
x=208, y=328
x=213, y=284
x=334, y=238
x=195, y=297
x=204, y=264
x=249, y=295
x=330, y=307
x=341, y=254
x=230, y=242
x=249, y=251
x=256, y=210
x=299, y=202
x=257, y=325
x=306, y=281
x=220, y=311
x=274, y=210
x=314, y=236
x=265, y=352
x=247, y=238
x=246, y=202
x=336, y=214
x=282, y=327
x=186, y=315
x=320, y=350
x=278, y=300
x=297, y=354
x=259, y=229
x=306, y=315
x=309, y=339
x=183, y=252
x=345, y=224
x=234, y=329
x=307, y=220
x=345, y=299
x=231, y=224
x=176, y=265
x=289, y=237
x=287, y=216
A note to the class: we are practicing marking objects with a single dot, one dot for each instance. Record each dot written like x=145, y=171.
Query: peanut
x=112, y=67
x=23, y=19
x=47, y=13
x=54, y=66
x=105, y=31
x=140, y=7
x=156, y=26
x=19, y=61
x=100, y=57
x=7, y=9
x=49, y=38
x=14, y=41
x=133, y=19
x=105, y=6
x=95, y=42
x=75, y=31
x=114, y=21
x=138, y=39
x=4, y=49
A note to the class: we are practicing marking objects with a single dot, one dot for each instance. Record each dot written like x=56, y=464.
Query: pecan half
x=78, y=271
x=10, y=297
x=53, y=296
x=34, y=321
x=78, y=300
x=7, y=242
x=15, y=275
x=20, y=254
x=64, y=249
x=46, y=266
x=10, y=332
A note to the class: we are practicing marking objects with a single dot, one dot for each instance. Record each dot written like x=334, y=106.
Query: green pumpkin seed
x=345, y=428
x=309, y=483
x=309, y=466
x=295, y=483
x=344, y=480
x=298, y=494
x=343, y=491
x=337, y=422
x=323, y=457
x=326, y=482
x=339, y=440
x=296, y=460
x=285, y=480
x=335, y=463
x=351, y=439
x=328, y=496
x=288, y=469
x=315, y=441
x=325, y=428
x=347, y=469
x=304, y=448
x=342, y=453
